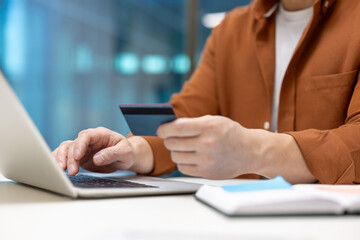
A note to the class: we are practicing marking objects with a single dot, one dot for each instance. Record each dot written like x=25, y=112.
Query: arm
x=218, y=148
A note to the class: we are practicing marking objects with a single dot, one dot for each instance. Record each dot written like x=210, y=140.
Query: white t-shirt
x=290, y=26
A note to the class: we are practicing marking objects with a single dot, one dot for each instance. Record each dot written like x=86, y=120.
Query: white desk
x=29, y=213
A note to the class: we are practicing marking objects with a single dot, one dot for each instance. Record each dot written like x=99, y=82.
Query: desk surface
x=30, y=213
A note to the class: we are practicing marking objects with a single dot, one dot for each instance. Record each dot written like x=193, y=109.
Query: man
x=290, y=66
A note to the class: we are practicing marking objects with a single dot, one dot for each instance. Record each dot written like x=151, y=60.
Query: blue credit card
x=144, y=119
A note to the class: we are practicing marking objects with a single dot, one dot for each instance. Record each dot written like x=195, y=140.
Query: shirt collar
x=266, y=8
x=271, y=10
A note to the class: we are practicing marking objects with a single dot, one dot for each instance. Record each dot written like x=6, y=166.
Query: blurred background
x=71, y=62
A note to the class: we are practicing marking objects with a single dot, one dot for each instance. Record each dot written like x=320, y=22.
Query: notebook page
x=348, y=196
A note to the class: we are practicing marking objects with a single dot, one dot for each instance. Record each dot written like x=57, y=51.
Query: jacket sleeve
x=333, y=156
x=198, y=97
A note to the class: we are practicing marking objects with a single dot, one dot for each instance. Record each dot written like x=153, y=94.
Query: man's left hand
x=213, y=147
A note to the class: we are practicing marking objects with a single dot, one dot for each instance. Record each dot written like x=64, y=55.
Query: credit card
x=144, y=119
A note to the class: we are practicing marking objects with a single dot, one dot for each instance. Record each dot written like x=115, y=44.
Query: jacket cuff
x=326, y=156
x=162, y=159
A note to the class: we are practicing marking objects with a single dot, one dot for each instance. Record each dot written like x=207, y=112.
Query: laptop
x=26, y=158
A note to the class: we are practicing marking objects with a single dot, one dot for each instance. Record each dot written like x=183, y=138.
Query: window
x=71, y=62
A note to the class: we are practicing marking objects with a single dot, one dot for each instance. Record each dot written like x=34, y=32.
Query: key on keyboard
x=83, y=181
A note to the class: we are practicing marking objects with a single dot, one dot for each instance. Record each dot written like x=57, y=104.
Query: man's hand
x=211, y=146
x=217, y=147
x=102, y=150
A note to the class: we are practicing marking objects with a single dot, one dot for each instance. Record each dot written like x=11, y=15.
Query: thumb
x=122, y=152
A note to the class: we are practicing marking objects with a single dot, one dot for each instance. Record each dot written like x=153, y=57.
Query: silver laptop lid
x=24, y=155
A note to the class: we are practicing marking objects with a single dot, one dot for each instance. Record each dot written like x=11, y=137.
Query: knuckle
x=180, y=121
x=82, y=132
x=208, y=142
x=182, y=169
x=169, y=143
x=65, y=144
x=101, y=129
x=212, y=124
x=127, y=153
x=207, y=117
x=128, y=149
x=178, y=127
x=85, y=131
x=62, y=154
x=174, y=156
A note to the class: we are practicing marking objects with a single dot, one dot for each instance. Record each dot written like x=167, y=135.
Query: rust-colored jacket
x=320, y=95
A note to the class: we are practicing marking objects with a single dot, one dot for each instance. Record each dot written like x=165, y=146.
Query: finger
x=189, y=169
x=183, y=144
x=72, y=165
x=91, y=138
x=182, y=127
x=54, y=154
x=187, y=158
x=81, y=144
x=62, y=152
x=122, y=154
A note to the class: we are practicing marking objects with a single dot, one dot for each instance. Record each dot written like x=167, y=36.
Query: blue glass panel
x=14, y=34
x=154, y=64
x=127, y=63
x=181, y=64
x=84, y=60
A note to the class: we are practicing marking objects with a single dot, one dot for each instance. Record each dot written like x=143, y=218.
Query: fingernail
x=98, y=158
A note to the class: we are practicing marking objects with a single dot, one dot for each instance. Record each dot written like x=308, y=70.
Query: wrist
x=264, y=147
x=263, y=142
x=251, y=151
x=273, y=145
x=281, y=155
x=143, y=160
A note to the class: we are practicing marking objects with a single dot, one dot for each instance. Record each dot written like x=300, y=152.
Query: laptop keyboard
x=83, y=181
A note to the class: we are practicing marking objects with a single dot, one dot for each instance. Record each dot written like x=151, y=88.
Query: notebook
x=277, y=197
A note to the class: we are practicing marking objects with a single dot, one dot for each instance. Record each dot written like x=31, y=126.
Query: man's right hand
x=105, y=151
